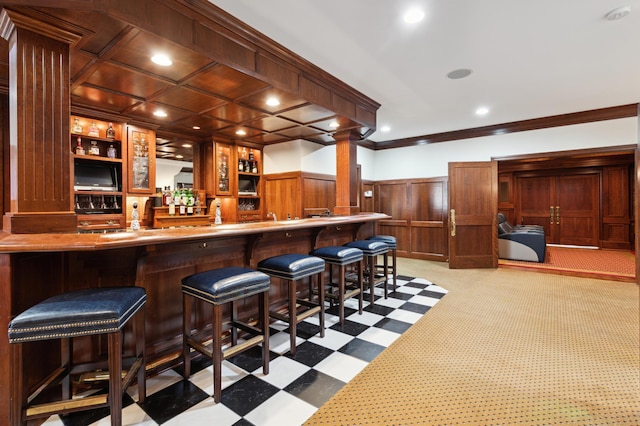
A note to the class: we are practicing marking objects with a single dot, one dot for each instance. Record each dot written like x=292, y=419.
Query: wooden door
x=473, y=203
x=567, y=206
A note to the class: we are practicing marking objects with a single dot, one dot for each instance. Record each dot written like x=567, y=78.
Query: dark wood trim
x=602, y=114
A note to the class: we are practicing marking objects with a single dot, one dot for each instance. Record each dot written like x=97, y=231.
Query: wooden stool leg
x=372, y=277
x=293, y=316
x=394, y=271
x=115, y=377
x=321, y=300
x=16, y=379
x=360, y=286
x=263, y=301
x=386, y=275
x=186, y=321
x=233, y=314
x=66, y=349
x=341, y=290
x=216, y=352
x=139, y=325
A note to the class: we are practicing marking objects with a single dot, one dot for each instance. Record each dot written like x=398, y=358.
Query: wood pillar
x=39, y=185
x=347, y=201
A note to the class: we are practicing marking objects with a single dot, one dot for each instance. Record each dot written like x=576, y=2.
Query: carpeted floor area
x=504, y=347
x=616, y=265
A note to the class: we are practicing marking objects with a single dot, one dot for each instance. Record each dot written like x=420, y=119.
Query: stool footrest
x=69, y=406
x=243, y=346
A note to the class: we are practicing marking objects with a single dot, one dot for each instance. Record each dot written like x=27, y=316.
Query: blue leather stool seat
x=341, y=257
x=223, y=285
x=218, y=287
x=73, y=314
x=391, y=242
x=371, y=250
x=78, y=313
x=293, y=268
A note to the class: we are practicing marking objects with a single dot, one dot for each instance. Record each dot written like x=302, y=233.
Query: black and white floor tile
x=296, y=386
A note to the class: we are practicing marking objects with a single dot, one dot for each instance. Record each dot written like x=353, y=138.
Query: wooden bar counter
x=36, y=266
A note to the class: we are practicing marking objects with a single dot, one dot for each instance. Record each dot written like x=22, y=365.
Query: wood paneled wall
x=419, y=219
x=299, y=194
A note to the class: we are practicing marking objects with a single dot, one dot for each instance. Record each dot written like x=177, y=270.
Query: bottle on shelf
x=254, y=167
x=94, y=149
x=251, y=157
x=111, y=133
x=172, y=207
x=183, y=202
x=135, y=218
x=77, y=128
x=190, y=202
x=79, y=150
x=111, y=151
x=246, y=167
x=197, y=204
x=240, y=165
x=93, y=130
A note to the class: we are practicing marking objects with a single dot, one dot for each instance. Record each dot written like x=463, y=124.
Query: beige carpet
x=504, y=347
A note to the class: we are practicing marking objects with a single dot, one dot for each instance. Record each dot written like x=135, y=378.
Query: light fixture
x=482, y=110
x=618, y=13
x=413, y=15
x=459, y=73
x=162, y=60
x=385, y=129
x=241, y=132
x=160, y=113
x=273, y=101
x=196, y=127
x=179, y=156
x=334, y=124
x=186, y=145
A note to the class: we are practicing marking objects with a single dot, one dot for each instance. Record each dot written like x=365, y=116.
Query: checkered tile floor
x=296, y=386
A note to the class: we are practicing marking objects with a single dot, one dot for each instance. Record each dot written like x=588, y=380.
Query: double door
x=566, y=205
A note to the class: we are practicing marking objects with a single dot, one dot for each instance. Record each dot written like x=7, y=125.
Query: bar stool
x=390, y=241
x=85, y=312
x=218, y=287
x=293, y=268
x=371, y=250
x=342, y=257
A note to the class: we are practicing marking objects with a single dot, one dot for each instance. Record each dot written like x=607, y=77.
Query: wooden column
x=347, y=202
x=39, y=183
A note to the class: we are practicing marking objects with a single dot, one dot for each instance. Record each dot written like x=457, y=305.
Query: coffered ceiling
x=112, y=77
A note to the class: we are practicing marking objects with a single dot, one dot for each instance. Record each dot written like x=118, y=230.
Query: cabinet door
x=223, y=170
x=142, y=160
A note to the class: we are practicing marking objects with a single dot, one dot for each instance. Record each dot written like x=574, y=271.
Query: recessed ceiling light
x=459, y=73
x=334, y=125
x=186, y=145
x=482, y=111
x=161, y=59
x=159, y=113
x=413, y=15
x=273, y=101
x=179, y=156
x=618, y=13
x=241, y=132
x=196, y=127
x=385, y=128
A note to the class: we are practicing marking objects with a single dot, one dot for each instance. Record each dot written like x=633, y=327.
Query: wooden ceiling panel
x=127, y=81
x=101, y=99
x=146, y=110
x=299, y=132
x=137, y=53
x=271, y=124
x=189, y=100
x=267, y=139
x=226, y=82
x=206, y=124
x=258, y=100
x=308, y=114
x=235, y=113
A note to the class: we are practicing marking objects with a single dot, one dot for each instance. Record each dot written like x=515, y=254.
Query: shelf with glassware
x=141, y=170
x=97, y=152
x=249, y=164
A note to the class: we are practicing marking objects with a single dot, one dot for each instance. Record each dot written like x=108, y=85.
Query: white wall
x=167, y=169
x=432, y=160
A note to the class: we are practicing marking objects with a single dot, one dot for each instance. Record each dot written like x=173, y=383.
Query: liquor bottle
x=135, y=218
x=254, y=168
x=251, y=155
x=190, y=202
x=77, y=128
x=111, y=152
x=94, y=149
x=240, y=165
x=246, y=167
x=79, y=148
x=172, y=206
x=93, y=130
x=183, y=202
x=197, y=204
x=111, y=133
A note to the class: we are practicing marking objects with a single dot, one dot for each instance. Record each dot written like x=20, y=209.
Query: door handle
x=551, y=215
x=557, y=215
x=453, y=222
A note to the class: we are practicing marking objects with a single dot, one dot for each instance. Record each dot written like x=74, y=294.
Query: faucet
x=275, y=219
x=328, y=212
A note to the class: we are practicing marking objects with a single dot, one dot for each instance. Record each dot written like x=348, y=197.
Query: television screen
x=247, y=186
x=94, y=176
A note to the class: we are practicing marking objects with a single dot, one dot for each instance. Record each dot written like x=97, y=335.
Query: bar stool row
x=108, y=311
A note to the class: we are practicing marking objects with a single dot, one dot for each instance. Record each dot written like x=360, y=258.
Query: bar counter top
x=22, y=243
